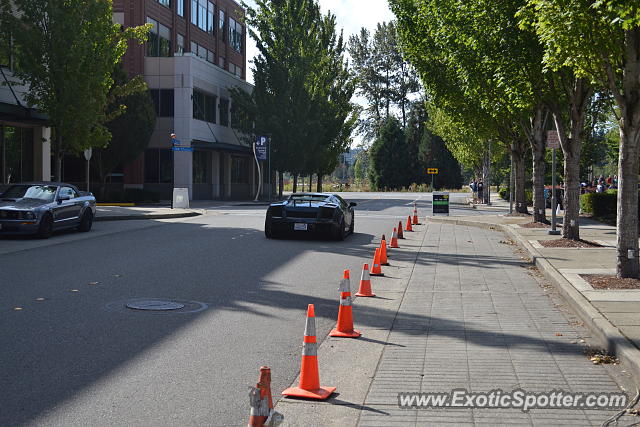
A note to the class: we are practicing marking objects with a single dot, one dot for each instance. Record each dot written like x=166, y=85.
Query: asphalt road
x=75, y=355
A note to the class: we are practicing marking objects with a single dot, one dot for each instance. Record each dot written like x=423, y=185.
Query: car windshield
x=39, y=192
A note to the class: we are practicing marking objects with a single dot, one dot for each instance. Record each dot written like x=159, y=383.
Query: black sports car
x=328, y=214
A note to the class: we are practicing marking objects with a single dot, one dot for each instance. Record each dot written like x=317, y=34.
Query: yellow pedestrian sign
x=432, y=171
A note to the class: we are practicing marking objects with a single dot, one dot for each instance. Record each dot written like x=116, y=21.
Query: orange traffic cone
x=408, y=227
x=383, y=251
x=260, y=399
x=309, y=386
x=400, y=235
x=376, y=270
x=344, y=328
x=415, y=216
x=365, y=283
x=394, y=239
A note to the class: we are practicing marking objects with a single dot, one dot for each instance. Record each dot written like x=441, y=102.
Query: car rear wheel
x=340, y=233
x=45, y=229
x=86, y=222
x=268, y=229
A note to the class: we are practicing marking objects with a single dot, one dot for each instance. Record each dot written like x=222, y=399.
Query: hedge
x=528, y=195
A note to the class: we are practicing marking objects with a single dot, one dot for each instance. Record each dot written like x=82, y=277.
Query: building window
x=180, y=44
x=204, y=106
x=159, y=43
x=158, y=166
x=180, y=8
x=235, y=70
x=221, y=62
x=240, y=170
x=224, y=112
x=200, y=161
x=211, y=57
x=194, y=12
x=221, y=25
x=211, y=13
x=18, y=149
x=163, y=101
x=165, y=2
x=235, y=35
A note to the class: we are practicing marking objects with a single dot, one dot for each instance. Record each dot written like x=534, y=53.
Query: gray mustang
x=42, y=207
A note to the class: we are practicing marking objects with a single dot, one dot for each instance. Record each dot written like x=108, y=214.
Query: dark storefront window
x=158, y=166
x=200, y=167
x=240, y=170
x=17, y=163
x=224, y=112
x=159, y=43
x=163, y=101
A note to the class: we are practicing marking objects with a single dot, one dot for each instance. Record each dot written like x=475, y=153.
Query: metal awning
x=17, y=115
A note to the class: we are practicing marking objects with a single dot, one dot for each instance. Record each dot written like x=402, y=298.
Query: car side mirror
x=352, y=204
x=63, y=198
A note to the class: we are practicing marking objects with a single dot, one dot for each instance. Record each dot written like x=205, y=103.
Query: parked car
x=322, y=213
x=41, y=208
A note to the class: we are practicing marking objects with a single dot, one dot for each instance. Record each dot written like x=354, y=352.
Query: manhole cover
x=155, y=305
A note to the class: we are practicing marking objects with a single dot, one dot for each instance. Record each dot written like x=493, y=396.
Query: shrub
x=504, y=193
x=599, y=204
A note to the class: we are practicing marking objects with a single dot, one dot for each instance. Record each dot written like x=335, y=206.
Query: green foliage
x=131, y=127
x=504, y=193
x=389, y=157
x=303, y=89
x=361, y=167
x=66, y=52
x=599, y=204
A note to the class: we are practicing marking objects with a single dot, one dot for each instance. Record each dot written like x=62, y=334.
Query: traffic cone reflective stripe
x=376, y=270
x=365, y=283
x=383, y=252
x=344, y=327
x=400, y=234
x=408, y=227
x=394, y=239
x=309, y=386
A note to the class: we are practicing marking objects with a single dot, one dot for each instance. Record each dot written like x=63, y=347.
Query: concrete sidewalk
x=465, y=311
x=612, y=315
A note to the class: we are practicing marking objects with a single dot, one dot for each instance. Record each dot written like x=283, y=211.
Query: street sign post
x=440, y=203
x=553, y=142
x=433, y=172
x=87, y=156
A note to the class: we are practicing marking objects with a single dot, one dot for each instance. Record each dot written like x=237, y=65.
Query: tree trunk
x=280, y=185
x=310, y=181
x=627, y=211
x=319, y=184
x=295, y=183
x=518, y=151
x=537, y=140
x=580, y=94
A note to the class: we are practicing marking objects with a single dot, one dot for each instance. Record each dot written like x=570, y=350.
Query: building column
x=42, y=154
x=183, y=171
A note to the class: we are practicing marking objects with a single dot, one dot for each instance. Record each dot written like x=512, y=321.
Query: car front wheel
x=86, y=222
x=45, y=229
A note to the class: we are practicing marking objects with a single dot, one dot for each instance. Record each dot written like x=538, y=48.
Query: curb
x=149, y=216
x=606, y=335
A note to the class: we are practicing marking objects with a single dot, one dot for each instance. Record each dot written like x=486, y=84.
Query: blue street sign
x=262, y=148
x=181, y=148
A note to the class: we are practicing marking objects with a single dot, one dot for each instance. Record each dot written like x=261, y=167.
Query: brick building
x=195, y=53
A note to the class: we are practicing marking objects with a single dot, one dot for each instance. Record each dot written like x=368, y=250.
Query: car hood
x=21, y=204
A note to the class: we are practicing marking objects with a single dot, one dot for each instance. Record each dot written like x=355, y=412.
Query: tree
x=302, y=87
x=361, y=167
x=66, y=51
x=600, y=42
x=388, y=157
x=384, y=77
x=130, y=130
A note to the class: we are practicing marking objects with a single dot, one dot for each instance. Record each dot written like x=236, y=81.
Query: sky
x=351, y=15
